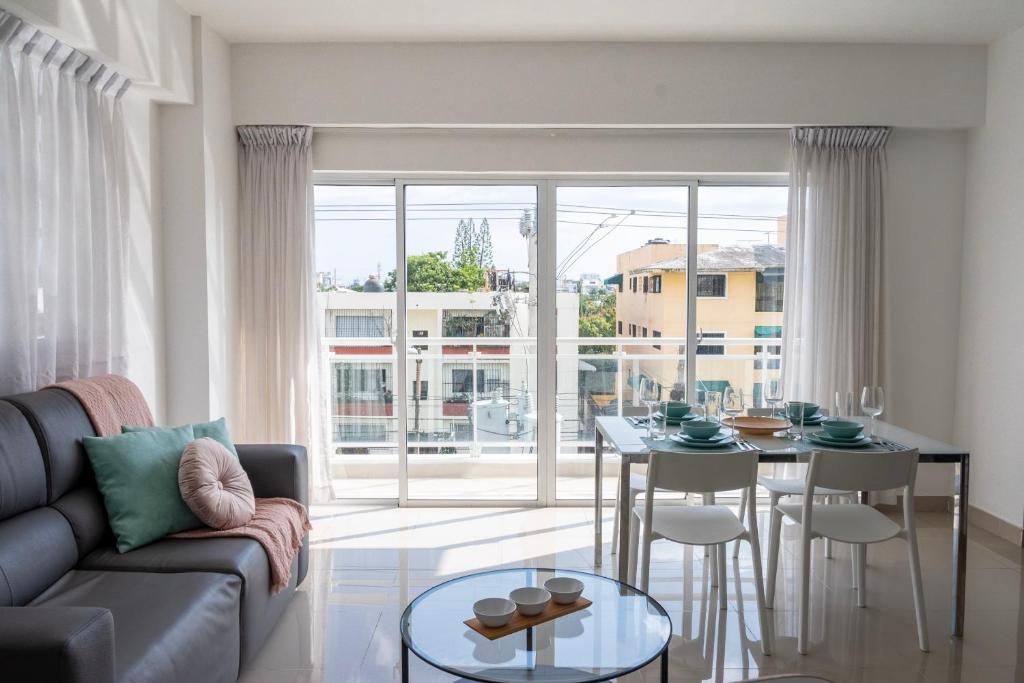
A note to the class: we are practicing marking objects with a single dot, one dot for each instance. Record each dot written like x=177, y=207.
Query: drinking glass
x=773, y=395
x=792, y=407
x=872, y=402
x=733, y=404
x=650, y=396
x=837, y=411
x=713, y=405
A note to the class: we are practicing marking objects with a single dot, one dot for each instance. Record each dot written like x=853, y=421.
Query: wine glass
x=650, y=396
x=872, y=402
x=733, y=404
x=837, y=403
x=773, y=395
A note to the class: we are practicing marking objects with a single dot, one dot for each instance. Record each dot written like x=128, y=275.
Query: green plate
x=728, y=441
x=827, y=441
x=676, y=420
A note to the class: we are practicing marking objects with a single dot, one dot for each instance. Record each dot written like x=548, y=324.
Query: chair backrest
x=701, y=472
x=868, y=471
x=634, y=411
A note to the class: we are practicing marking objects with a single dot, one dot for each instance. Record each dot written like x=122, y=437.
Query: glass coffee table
x=622, y=631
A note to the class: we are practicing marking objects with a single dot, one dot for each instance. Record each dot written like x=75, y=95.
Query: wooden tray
x=756, y=425
x=519, y=622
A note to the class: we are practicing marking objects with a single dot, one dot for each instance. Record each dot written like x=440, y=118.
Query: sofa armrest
x=66, y=644
x=275, y=470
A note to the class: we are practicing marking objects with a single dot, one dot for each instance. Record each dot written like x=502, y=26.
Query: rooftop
x=723, y=259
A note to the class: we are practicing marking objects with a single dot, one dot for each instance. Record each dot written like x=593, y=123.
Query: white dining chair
x=709, y=525
x=856, y=524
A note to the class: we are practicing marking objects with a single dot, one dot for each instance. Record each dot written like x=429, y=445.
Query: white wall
x=991, y=370
x=924, y=226
x=199, y=180
x=608, y=84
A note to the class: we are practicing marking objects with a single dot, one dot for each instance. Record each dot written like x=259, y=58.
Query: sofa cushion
x=59, y=422
x=36, y=548
x=167, y=627
x=137, y=474
x=214, y=486
x=241, y=557
x=22, y=474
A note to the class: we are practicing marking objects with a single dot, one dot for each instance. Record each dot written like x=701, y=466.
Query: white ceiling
x=860, y=21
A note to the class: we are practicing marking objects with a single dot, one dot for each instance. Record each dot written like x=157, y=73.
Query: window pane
x=605, y=236
x=471, y=254
x=741, y=235
x=356, y=298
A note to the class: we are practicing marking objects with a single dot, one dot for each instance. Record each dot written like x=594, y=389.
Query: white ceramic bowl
x=494, y=612
x=564, y=590
x=530, y=601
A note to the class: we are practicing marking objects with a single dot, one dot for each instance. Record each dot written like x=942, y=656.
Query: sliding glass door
x=474, y=330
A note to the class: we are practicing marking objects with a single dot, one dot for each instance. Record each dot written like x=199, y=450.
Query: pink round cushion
x=214, y=485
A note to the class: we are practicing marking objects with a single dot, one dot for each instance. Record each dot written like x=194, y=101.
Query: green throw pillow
x=216, y=430
x=137, y=473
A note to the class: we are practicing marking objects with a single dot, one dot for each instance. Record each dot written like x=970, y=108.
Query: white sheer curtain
x=280, y=357
x=63, y=212
x=832, y=320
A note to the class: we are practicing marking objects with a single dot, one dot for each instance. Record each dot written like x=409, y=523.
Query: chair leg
x=853, y=567
x=829, y=500
x=915, y=579
x=805, y=592
x=743, y=508
x=633, y=550
x=862, y=579
x=645, y=562
x=723, y=598
x=774, y=541
x=762, y=620
x=615, y=527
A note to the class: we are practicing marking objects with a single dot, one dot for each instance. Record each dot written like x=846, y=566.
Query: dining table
x=626, y=438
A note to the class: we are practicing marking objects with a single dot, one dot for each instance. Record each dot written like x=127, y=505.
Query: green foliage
x=432, y=272
x=597, y=319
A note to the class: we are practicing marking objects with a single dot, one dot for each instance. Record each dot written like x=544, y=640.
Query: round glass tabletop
x=623, y=630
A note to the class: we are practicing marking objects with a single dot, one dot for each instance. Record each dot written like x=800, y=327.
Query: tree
x=597, y=319
x=432, y=272
x=465, y=237
x=482, y=244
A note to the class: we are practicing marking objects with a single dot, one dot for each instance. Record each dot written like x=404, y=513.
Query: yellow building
x=739, y=297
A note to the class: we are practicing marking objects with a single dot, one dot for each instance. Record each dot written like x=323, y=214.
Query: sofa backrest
x=59, y=422
x=37, y=545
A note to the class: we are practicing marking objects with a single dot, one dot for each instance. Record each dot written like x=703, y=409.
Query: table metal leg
x=664, y=666
x=960, y=550
x=624, y=519
x=405, y=662
x=598, y=511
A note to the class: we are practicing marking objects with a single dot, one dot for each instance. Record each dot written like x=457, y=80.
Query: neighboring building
x=444, y=378
x=591, y=282
x=739, y=295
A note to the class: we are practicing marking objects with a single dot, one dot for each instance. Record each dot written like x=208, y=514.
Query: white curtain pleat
x=281, y=361
x=832, y=327
x=63, y=212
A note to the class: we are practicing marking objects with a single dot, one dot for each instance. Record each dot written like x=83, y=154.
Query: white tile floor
x=368, y=563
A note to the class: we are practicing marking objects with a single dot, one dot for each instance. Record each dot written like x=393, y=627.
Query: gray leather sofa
x=72, y=609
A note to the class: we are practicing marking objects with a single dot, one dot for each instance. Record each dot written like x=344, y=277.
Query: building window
x=656, y=333
x=619, y=327
x=769, y=291
x=712, y=349
x=632, y=330
x=770, y=332
x=632, y=284
x=473, y=323
x=361, y=325
x=711, y=285
x=656, y=284
x=645, y=332
x=424, y=389
x=489, y=378
x=646, y=284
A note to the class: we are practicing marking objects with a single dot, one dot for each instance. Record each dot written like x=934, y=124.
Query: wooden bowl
x=756, y=425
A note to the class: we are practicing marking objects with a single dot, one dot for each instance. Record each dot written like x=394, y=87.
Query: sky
x=355, y=224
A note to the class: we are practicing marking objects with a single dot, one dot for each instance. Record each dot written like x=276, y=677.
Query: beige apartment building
x=739, y=297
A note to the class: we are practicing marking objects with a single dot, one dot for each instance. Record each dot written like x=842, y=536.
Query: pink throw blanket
x=110, y=401
x=278, y=525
